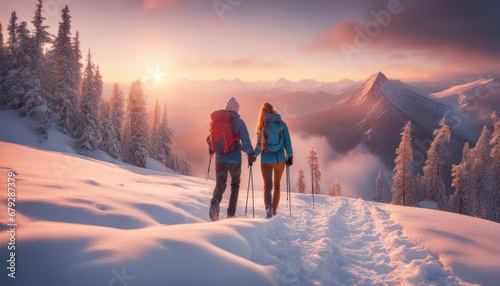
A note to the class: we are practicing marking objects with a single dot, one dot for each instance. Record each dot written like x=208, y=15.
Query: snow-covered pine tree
x=165, y=142
x=65, y=99
x=494, y=194
x=2, y=64
x=109, y=142
x=13, y=83
x=313, y=163
x=300, y=184
x=329, y=191
x=136, y=137
x=337, y=189
x=436, y=156
x=460, y=201
x=88, y=130
x=480, y=178
x=419, y=188
x=98, y=88
x=154, y=123
x=29, y=71
x=77, y=57
x=117, y=113
x=12, y=30
x=402, y=187
x=184, y=167
x=379, y=188
x=41, y=35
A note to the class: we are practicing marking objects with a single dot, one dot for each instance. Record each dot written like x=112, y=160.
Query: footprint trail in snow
x=342, y=243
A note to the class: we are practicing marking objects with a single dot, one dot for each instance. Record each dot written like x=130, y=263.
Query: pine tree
x=88, y=131
x=336, y=189
x=77, y=57
x=300, y=185
x=419, y=188
x=402, y=187
x=165, y=142
x=494, y=193
x=460, y=201
x=313, y=163
x=30, y=68
x=97, y=88
x=12, y=30
x=184, y=167
x=136, y=132
x=65, y=99
x=3, y=67
x=41, y=35
x=14, y=66
x=329, y=191
x=436, y=156
x=154, y=140
x=480, y=167
x=379, y=188
x=109, y=142
x=117, y=113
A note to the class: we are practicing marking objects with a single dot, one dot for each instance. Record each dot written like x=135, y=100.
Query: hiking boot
x=230, y=216
x=275, y=212
x=214, y=210
x=269, y=211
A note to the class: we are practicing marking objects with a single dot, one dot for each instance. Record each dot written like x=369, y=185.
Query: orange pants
x=267, y=175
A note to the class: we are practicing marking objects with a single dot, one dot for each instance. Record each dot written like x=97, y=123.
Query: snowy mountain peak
x=378, y=77
x=370, y=90
x=390, y=95
x=283, y=82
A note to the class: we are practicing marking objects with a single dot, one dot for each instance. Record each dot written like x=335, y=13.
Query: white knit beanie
x=232, y=105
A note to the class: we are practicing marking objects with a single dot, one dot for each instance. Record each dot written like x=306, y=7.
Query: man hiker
x=227, y=143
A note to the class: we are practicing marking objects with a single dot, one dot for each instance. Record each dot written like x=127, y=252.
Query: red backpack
x=222, y=139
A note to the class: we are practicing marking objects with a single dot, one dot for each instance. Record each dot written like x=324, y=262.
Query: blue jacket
x=239, y=128
x=279, y=156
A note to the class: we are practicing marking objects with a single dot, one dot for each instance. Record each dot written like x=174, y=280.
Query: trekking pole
x=253, y=198
x=209, y=164
x=248, y=190
x=289, y=189
x=286, y=178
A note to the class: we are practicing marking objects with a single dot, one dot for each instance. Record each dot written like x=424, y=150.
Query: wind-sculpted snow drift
x=103, y=222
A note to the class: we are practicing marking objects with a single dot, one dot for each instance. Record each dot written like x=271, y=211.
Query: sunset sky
x=266, y=40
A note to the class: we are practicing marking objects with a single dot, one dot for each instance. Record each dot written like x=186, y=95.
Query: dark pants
x=267, y=175
x=221, y=170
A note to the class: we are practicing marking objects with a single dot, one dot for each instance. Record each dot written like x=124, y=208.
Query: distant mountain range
x=370, y=113
x=374, y=115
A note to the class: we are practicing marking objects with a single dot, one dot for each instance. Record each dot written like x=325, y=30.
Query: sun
x=157, y=74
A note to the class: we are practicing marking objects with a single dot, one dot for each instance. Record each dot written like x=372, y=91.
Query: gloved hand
x=289, y=161
x=211, y=152
x=251, y=159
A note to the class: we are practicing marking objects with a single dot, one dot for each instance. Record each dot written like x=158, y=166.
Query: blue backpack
x=273, y=133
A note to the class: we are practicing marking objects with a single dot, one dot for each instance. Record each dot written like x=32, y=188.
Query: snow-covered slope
x=478, y=98
x=88, y=222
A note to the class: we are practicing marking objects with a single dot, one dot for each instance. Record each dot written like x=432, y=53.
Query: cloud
x=449, y=29
x=333, y=37
x=356, y=170
x=159, y=4
x=239, y=63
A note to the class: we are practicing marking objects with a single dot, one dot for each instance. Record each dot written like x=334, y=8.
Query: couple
x=273, y=139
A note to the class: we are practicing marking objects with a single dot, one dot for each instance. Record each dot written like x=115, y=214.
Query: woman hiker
x=273, y=139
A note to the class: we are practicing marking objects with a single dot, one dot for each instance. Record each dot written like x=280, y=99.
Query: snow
x=455, y=90
x=470, y=246
x=82, y=221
